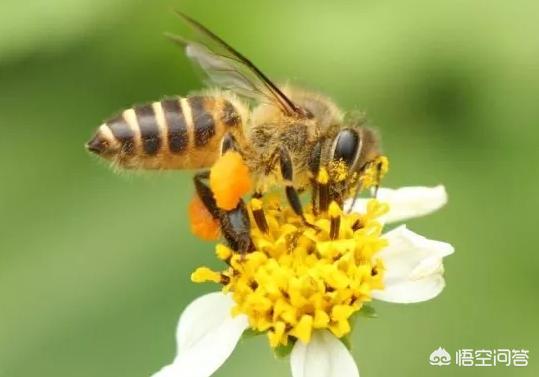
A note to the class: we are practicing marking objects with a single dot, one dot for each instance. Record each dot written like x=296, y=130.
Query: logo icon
x=440, y=357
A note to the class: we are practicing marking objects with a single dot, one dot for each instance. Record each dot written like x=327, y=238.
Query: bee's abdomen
x=150, y=133
x=175, y=133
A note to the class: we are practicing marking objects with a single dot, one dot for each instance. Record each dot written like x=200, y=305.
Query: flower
x=302, y=284
x=300, y=278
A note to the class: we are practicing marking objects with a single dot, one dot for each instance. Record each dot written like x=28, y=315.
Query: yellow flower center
x=302, y=277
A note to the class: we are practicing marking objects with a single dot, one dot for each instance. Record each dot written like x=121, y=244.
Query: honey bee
x=285, y=135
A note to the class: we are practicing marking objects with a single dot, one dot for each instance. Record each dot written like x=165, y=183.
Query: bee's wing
x=229, y=69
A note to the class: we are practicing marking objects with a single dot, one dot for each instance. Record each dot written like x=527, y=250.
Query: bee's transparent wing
x=229, y=69
x=222, y=71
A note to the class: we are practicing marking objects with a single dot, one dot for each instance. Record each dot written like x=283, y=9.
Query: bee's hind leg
x=228, y=142
x=205, y=194
x=235, y=224
x=236, y=228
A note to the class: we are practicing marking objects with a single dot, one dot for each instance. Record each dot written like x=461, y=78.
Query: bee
x=287, y=136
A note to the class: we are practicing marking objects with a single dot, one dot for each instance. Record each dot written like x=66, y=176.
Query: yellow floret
x=204, y=274
x=300, y=278
x=303, y=329
x=223, y=252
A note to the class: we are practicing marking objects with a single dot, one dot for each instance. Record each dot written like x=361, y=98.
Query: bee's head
x=347, y=154
x=346, y=147
x=342, y=159
x=103, y=143
x=355, y=147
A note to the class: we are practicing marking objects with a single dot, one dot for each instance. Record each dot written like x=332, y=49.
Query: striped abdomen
x=175, y=133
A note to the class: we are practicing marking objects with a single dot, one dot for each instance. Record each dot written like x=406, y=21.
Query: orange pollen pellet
x=229, y=180
x=203, y=225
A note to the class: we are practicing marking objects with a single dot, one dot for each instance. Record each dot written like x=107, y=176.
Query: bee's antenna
x=176, y=39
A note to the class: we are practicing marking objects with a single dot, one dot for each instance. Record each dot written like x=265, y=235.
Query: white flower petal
x=323, y=356
x=206, y=336
x=410, y=291
x=166, y=371
x=413, y=267
x=406, y=202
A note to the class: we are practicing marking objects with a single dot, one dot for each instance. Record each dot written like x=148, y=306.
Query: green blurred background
x=94, y=266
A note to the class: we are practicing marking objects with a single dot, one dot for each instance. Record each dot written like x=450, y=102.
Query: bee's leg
x=314, y=195
x=354, y=199
x=323, y=195
x=229, y=142
x=320, y=184
x=272, y=162
x=236, y=228
x=378, y=173
x=358, y=186
x=205, y=194
x=314, y=168
x=287, y=172
x=320, y=188
x=235, y=224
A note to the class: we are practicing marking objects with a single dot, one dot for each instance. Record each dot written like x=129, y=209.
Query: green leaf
x=347, y=342
x=368, y=311
x=283, y=351
x=250, y=333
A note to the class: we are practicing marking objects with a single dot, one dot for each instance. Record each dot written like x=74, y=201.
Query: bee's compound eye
x=98, y=144
x=347, y=146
